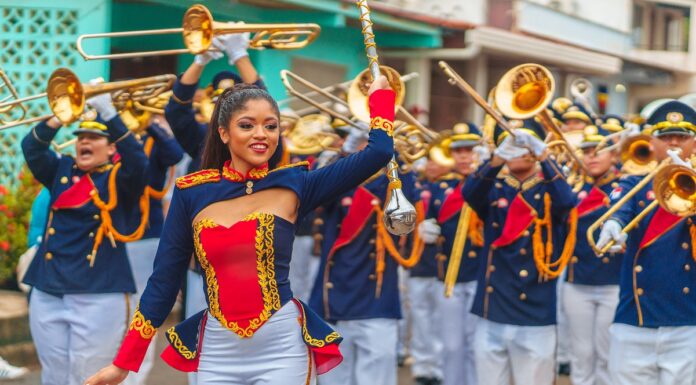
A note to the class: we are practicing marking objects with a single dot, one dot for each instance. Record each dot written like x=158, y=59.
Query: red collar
x=233, y=175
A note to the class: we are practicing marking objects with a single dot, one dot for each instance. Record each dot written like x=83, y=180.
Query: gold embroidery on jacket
x=143, y=326
x=178, y=344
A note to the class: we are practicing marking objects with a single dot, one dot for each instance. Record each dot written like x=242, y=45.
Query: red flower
x=3, y=207
x=4, y=245
x=3, y=190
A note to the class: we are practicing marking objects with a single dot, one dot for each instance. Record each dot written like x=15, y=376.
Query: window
x=661, y=27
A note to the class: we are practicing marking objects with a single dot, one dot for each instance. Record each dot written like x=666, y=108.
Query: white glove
x=483, y=153
x=103, y=105
x=206, y=57
x=612, y=231
x=507, y=150
x=355, y=138
x=676, y=159
x=234, y=45
x=429, y=230
x=526, y=140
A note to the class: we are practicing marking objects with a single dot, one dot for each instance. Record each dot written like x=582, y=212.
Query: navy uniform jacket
x=180, y=237
x=509, y=289
x=182, y=119
x=447, y=213
x=658, y=278
x=346, y=286
x=428, y=264
x=585, y=268
x=61, y=265
x=165, y=153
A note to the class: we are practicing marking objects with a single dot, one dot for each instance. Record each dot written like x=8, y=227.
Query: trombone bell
x=675, y=190
x=524, y=91
x=357, y=93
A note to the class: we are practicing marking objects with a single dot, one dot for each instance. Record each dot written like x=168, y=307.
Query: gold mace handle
x=455, y=259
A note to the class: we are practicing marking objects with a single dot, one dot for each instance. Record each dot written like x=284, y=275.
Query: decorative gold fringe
x=544, y=252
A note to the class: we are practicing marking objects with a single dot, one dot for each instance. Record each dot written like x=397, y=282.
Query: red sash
x=660, y=223
x=593, y=201
x=358, y=214
x=519, y=216
x=452, y=205
x=75, y=196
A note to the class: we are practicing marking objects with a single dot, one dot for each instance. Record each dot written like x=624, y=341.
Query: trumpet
x=66, y=94
x=198, y=30
x=675, y=191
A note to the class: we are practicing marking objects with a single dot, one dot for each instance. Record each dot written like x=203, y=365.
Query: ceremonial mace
x=399, y=215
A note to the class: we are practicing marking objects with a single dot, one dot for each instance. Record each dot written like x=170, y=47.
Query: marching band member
x=575, y=118
x=163, y=152
x=423, y=288
x=653, y=338
x=357, y=287
x=81, y=277
x=591, y=291
x=237, y=216
x=525, y=214
x=456, y=324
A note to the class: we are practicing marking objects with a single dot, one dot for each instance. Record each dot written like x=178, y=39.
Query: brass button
x=91, y=235
x=639, y=291
x=329, y=285
x=318, y=221
x=64, y=180
x=491, y=268
x=472, y=254
x=437, y=201
x=526, y=233
x=489, y=289
x=372, y=241
x=371, y=277
x=685, y=246
x=605, y=260
x=638, y=268
x=641, y=204
x=524, y=273
x=49, y=256
x=685, y=290
x=443, y=185
x=523, y=296
x=495, y=225
x=51, y=231
x=523, y=251
x=498, y=185
x=96, y=217
x=687, y=267
x=574, y=259
x=537, y=196
x=614, y=184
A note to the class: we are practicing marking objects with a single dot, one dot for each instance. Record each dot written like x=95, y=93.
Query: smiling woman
x=237, y=216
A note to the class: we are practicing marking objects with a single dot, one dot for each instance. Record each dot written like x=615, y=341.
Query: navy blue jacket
x=509, y=288
x=61, y=265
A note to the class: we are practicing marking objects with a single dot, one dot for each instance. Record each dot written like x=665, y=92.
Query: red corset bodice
x=246, y=269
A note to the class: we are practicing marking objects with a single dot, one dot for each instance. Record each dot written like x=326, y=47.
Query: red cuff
x=382, y=104
x=132, y=352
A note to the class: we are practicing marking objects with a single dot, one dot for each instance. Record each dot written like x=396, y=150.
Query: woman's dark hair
x=231, y=101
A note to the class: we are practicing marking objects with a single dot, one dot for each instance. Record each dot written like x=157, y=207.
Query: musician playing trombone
x=80, y=276
x=526, y=214
x=653, y=338
x=591, y=291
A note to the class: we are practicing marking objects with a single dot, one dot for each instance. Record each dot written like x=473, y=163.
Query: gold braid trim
x=178, y=344
x=317, y=343
x=265, y=255
x=304, y=163
x=543, y=253
x=379, y=123
x=196, y=178
x=140, y=324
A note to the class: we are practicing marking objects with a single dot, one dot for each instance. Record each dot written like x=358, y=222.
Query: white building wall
x=614, y=14
x=471, y=11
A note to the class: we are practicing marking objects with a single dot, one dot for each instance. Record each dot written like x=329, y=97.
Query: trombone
x=66, y=94
x=199, y=29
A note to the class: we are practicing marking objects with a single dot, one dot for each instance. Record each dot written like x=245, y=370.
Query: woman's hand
x=110, y=375
x=380, y=84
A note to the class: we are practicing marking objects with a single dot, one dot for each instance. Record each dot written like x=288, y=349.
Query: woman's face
x=252, y=134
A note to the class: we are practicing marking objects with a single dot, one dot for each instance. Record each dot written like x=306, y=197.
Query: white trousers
x=303, y=267
x=562, y=322
x=426, y=346
x=141, y=255
x=369, y=353
x=523, y=353
x=652, y=356
x=457, y=329
x=77, y=334
x=405, y=333
x=195, y=302
x=590, y=311
x=275, y=355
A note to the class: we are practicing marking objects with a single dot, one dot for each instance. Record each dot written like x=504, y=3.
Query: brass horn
x=638, y=155
x=199, y=29
x=674, y=188
x=581, y=91
x=310, y=135
x=66, y=94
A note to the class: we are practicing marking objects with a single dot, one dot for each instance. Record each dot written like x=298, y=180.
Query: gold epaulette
x=199, y=177
x=303, y=163
x=450, y=176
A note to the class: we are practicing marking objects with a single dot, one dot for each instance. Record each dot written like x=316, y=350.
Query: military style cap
x=576, y=111
x=463, y=135
x=673, y=117
x=96, y=126
x=612, y=123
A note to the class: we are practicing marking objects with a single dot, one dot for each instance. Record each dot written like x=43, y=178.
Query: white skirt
x=275, y=355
